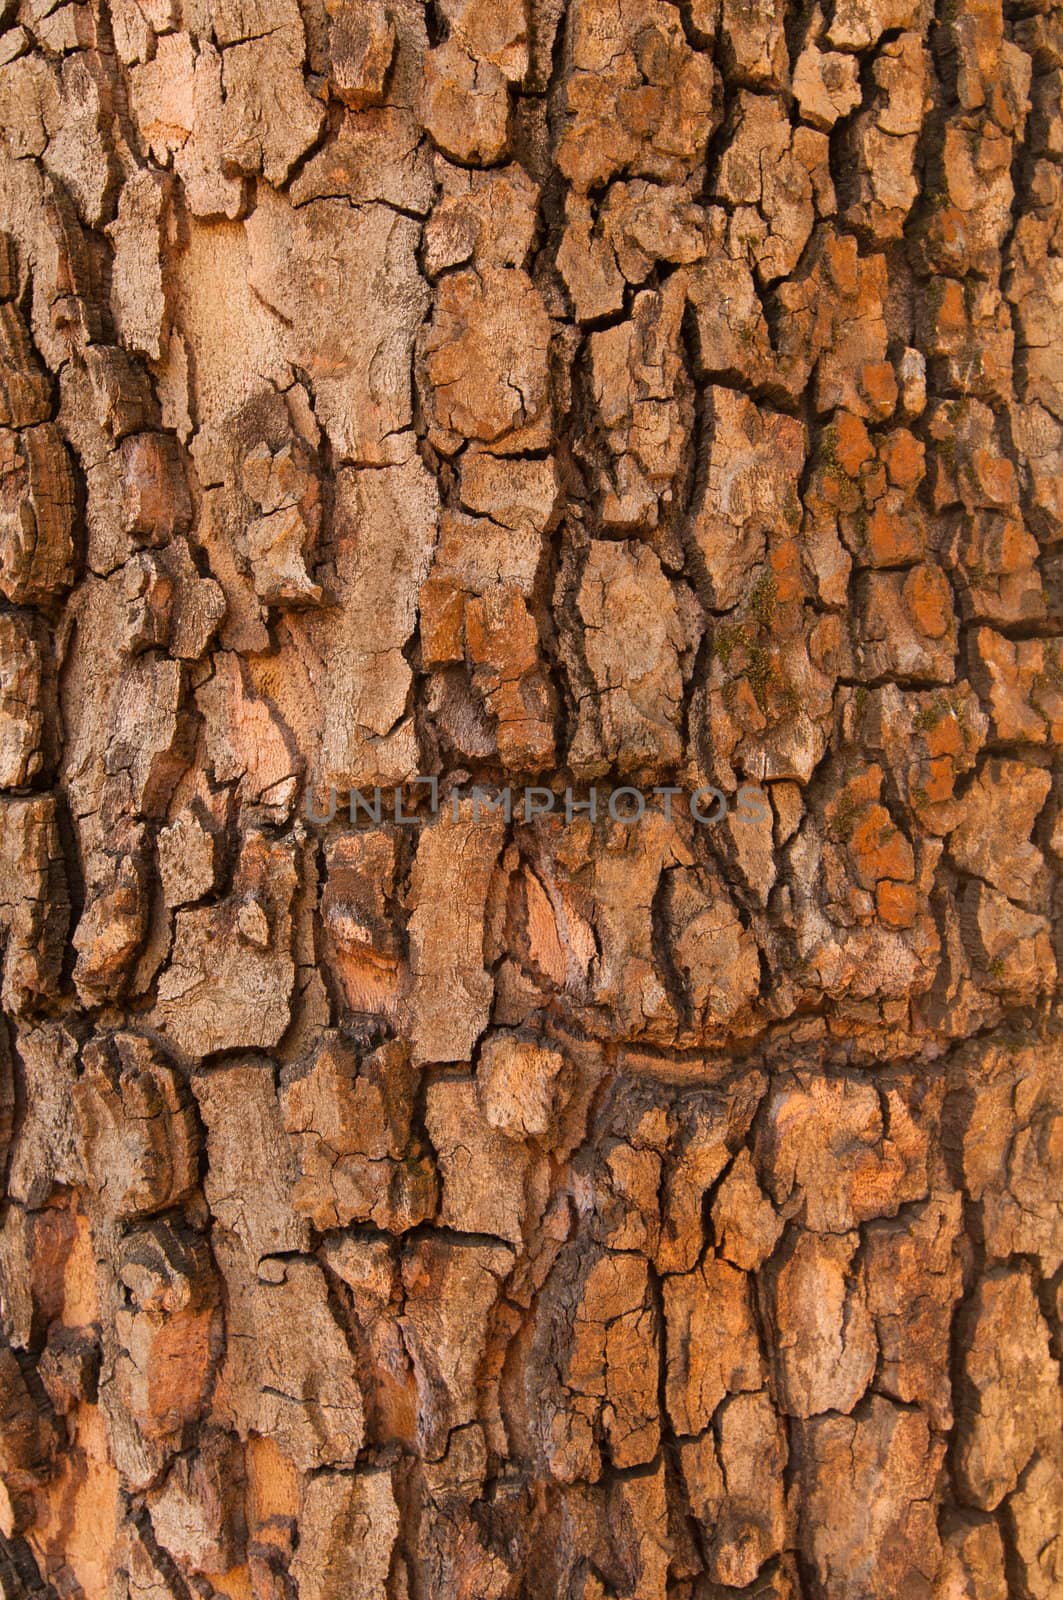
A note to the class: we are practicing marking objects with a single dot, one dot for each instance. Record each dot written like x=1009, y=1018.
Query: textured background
x=622, y=393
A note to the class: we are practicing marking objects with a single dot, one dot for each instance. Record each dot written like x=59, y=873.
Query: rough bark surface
x=559, y=392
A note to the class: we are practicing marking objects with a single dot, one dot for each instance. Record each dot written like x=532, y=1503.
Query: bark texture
x=600, y=393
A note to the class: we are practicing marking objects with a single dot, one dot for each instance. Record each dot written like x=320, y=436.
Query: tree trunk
x=500, y=1187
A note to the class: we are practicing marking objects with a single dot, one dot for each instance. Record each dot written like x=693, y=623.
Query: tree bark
x=653, y=1196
